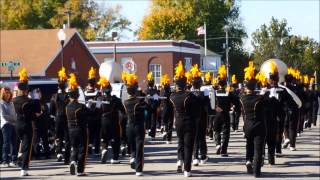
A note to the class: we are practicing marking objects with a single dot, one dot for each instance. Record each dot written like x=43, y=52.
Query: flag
x=201, y=30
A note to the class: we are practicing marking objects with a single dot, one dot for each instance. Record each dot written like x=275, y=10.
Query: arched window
x=156, y=71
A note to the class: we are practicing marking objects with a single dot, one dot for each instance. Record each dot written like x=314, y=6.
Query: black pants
x=200, y=143
x=254, y=149
x=167, y=116
x=315, y=114
x=222, y=125
x=235, y=118
x=301, y=117
x=211, y=118
x=94, y=133
x=110, y=133
x=151, y=122
x=62, y=134
x=40, y=138
x=290, y=130
x=79, y=144
x=136, y=133
x=25, y=134
x=186, y=136
x=1, y=145
x=279, y=135
x=271, y=140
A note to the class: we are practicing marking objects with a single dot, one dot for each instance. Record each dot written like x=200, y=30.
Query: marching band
x=274, y=113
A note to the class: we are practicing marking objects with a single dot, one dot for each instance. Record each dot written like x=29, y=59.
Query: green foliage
x=179, y=20
x=84, y=15
x=275, y=41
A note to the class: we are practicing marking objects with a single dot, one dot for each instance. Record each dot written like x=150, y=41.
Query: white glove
x=36, y=95
x=206, y=92
x=273, y=93
x=89, y=103
x=98, y=103
x=155, y=97
x=263, y=91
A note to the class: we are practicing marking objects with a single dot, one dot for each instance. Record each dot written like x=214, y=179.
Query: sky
x=301, y=15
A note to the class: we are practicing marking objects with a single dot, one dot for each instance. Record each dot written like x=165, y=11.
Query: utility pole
x=226, y=29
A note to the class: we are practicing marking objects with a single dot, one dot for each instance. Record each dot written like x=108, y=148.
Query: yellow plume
x=249, y=72
x=291, y=71
x=207, y=77
x=195, y=71
x=179, y=71
x=261, y=78
x=234, y=79
x=189, y=77
x=312, y=80
x=103, y=82
x=222, y=72
x=229, y=89
x=129, y=79
x=92, y=73
x=72, y=81
x=23, y=75
x=165, y=80
x=306, y=79
x=273, y=67
x=149, y=76
x=62, y=74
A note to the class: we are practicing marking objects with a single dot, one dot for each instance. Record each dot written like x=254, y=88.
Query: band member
x=202, y=105
x=58, y=105
x=152, y=120
x=235, y=116
x=274, y=114
x=292, y=113
x=224, y=100
x=91, y=93
x=41, y=126
x=211, y=113
x=26, y=114
x=110, y=122
x=185, y=122
x=315, y=102
x=77, y=123
x=135, y=112
x=254, y=125
x=166, y=108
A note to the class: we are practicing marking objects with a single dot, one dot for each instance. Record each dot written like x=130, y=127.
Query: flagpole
x=205, y=42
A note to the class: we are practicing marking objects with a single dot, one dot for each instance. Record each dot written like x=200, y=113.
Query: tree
x=179, y=20
x=84, y=15
x=275, y=41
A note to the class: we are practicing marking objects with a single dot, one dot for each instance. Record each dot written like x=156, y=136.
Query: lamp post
x=62, y=38
x=226, y=29
x=114, y=35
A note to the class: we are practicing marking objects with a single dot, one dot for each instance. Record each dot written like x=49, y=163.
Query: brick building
x=158, y=56
x=39, y=51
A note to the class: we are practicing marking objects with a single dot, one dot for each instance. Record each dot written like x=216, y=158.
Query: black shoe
x=133, y=165
x=249, y=168
x=224, y=155
x=257, y=174
x=104, y=156
x=179, y=169
x=66, y=162
x=271, y=160
x=218, y=149
x=73, y=168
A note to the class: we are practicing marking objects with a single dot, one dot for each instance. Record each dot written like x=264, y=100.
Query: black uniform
x=315, y=106
x=25, y=109
x=291, y=119
x=151, y=123
x=273, y=114
x=224, y=100
x=41, y=139
x=167, y=112
x=254, y=129
x=235, y=116
x=201, y=125
x=135, y=111
x=94, y=121
x=58, y=105
x=185, y=115
x=77, y=123
x=110, y=123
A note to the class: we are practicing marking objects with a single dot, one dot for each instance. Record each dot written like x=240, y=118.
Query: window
x=73, y=64
x=188, y=63
x=156, y=71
